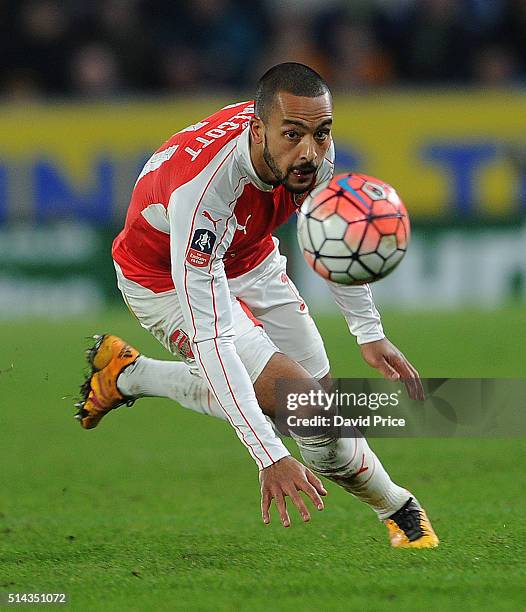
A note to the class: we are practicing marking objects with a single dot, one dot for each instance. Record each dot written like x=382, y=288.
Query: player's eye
x=292, y=134
x=322, y=134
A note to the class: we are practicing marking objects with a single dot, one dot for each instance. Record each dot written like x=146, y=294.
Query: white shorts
x=267, y=293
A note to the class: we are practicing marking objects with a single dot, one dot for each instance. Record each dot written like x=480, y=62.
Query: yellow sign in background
x=445, y=153
x=393, y=133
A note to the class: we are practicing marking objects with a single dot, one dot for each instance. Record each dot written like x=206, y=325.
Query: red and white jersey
x=199, y=214
x=256, y=209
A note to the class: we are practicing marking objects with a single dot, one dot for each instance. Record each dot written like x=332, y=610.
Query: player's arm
x=197, y=247
x=357, y=306
x=363, y=319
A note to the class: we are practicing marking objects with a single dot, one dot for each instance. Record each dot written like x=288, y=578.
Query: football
x=353, y=229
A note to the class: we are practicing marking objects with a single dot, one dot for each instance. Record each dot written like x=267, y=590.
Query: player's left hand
x=392, y=364
x=286, y=478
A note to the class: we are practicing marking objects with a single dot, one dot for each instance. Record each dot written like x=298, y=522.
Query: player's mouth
x=303, y=174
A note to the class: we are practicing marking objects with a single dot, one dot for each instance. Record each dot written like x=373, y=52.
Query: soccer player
x=197, y=265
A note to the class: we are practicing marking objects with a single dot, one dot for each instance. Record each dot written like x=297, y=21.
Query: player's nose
x=308, y=151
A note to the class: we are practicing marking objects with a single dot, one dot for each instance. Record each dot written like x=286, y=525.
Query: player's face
x=297, y=136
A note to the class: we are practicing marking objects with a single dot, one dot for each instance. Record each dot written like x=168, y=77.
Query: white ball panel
x=387, y=245
x=316, y=233
x=342, y=278
x=373, y=261
x=303, y=235
x=304, y=242
x=393, y=197
x=394, y=260
x=335, y=227
x=335, y=248
x=358, y=271
x=340, y=264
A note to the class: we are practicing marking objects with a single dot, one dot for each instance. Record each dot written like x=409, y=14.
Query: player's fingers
x=408, y=377
x=407, y=374
x=315, y=482
x=418, y=389
x=387, y=370
x=311, y=492
x=265, y=506
x=282, y=509
x=413, y=369
x=421, y=395
x=401, y=365
x=299, y=503
x=410, y=387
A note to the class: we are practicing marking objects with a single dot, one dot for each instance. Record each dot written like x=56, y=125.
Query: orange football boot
x=410, y=527
x=108, y=358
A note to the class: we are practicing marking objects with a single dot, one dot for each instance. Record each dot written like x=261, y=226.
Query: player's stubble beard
x=281, y=178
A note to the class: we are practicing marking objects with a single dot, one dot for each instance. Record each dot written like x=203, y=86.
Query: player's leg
x=349, y=462
x=132, y=375
x=120, y=375
x=332, y=457
x=182, y=382
x=273, y=298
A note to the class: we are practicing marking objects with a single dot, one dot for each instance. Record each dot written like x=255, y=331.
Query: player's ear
x=257, y=130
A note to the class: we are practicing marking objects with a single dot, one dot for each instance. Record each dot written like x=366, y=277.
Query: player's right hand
x=287, y=477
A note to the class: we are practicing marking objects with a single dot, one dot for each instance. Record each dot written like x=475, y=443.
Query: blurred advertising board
x=458, y=155
x=480, y=266
x=67, y=170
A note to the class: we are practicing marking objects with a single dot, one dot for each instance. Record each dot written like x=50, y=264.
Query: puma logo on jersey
x=243, y=228
x=208, y=216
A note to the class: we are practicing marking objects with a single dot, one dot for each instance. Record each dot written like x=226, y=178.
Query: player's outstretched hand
x=387, y=359
x=287, y=477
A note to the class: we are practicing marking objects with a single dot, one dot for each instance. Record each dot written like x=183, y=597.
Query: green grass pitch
x=158, y=508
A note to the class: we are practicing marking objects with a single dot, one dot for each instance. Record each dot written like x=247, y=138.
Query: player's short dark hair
x=290, y=77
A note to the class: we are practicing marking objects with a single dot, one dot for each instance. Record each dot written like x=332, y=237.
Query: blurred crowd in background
x=119, y=47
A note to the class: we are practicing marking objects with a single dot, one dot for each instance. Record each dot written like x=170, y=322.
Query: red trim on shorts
x=295, y=292
x=248, y=312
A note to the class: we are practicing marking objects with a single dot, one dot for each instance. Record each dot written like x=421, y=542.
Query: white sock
x=351, y=463
x=171, y=379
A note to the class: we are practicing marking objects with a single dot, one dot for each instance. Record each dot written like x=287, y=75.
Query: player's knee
x=281, y=368
x=329, y=455
x=326, y=382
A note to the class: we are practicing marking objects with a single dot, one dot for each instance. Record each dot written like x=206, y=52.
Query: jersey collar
x=243, y=154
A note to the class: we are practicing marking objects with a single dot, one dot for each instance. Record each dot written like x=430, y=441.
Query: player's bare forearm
x=393, y=365
x=287, y=477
